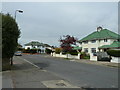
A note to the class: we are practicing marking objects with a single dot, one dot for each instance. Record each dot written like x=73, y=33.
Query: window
x=86, y=50
x=85, y=42
x=105, y=40
x=93, y=50
x=93, y=41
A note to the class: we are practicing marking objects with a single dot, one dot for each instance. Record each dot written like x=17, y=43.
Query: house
x=100, y=40
x=36, y=45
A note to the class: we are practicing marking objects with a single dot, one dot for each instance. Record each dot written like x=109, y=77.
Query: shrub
x=58, y=50
x=115, y=53
x=33, y=51
x=48, y=51
x=26, y=50
x=20, y=49
x=84, y=56
x=30, y=50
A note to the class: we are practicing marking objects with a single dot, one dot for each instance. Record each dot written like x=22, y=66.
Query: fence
x=92, y=57
x=66, y=55
x=115, y=59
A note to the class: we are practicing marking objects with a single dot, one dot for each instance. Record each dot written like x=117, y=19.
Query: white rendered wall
x=26, y=47
x=97, y=44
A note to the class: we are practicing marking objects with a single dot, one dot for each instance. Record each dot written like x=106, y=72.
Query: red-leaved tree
x=67, y=42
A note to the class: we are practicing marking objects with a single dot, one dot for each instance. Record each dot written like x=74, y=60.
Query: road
x=79, y=74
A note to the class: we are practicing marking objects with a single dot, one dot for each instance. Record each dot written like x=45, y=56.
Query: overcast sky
x=46, y=22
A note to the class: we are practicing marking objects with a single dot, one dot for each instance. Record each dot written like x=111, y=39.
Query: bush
x=48, y=51
x=33, y=51
x=58, y=50
x=20, y=49
x=84, y=56
x=26, y=50
x=115, y=53
x=30, y=50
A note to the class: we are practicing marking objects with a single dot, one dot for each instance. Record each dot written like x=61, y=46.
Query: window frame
x=105, y=40
x=85, y=42
x=86, y=50
x=93, y=41
x=93, y=51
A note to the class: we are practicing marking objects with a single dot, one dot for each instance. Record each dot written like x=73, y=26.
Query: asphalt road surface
x=79, y=74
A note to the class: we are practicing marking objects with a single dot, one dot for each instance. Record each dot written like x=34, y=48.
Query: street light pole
x=20, y=11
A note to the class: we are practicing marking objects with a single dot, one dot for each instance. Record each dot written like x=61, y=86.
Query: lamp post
x=20, y=11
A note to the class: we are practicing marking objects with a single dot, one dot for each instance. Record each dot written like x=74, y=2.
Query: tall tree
x=67, y=42
x=10, y=35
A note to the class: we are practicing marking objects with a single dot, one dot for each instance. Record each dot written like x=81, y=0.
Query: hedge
x=73, y=52
x=48, y=51
x=115, y=53
x=31, y=50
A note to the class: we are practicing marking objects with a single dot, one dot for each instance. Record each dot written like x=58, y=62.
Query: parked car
x=18, y=53
x=103, y=56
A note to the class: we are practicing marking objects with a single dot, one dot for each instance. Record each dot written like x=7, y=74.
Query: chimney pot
x=99, y=28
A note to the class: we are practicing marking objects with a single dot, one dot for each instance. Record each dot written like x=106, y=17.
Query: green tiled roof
x=34, y=43
x=77, y=48
x=103, y=34
x=115, y=44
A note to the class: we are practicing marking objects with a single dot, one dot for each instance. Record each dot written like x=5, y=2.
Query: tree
x=19, y=47
x=10, y=35
x=67, y=42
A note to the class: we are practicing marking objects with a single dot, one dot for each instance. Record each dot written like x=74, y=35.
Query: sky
x=46, y=22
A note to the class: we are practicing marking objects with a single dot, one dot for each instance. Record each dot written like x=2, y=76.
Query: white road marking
x=33, y=64
x=30, y=63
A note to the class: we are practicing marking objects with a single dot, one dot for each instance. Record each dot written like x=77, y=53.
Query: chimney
x=99, y=28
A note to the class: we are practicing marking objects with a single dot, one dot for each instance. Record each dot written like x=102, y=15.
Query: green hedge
x=48, y=51
x=31, y=51
x=73, y=52
x=115, y=53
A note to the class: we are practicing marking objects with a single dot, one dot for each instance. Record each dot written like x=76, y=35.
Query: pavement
x=26, y=75
x=0, y=80
x=103, y=63
x=87, y=61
